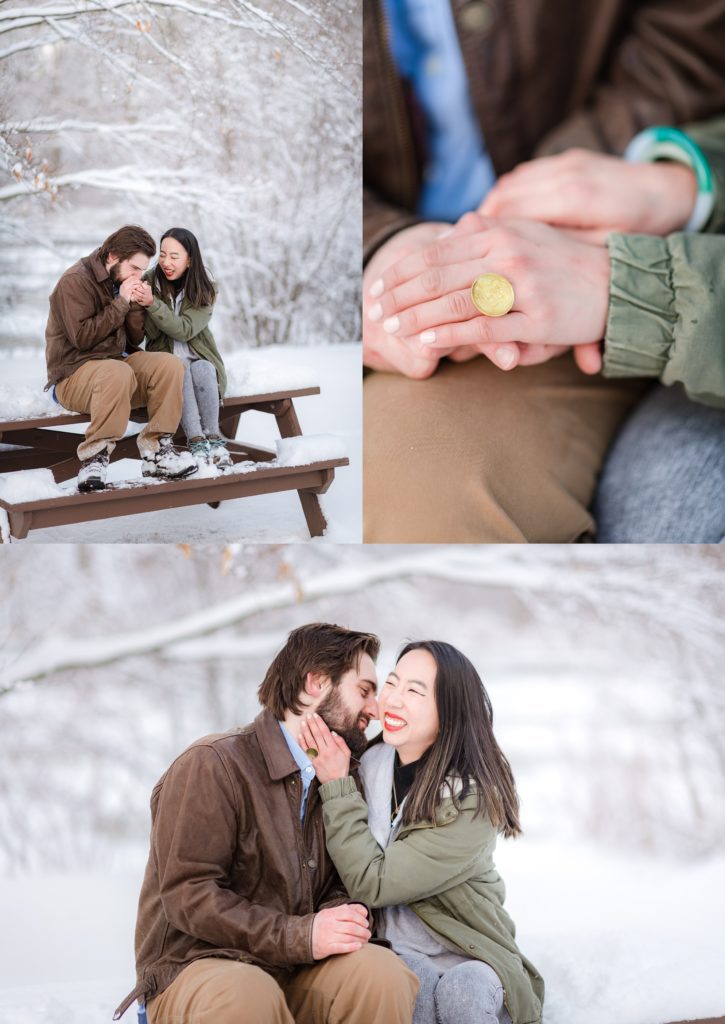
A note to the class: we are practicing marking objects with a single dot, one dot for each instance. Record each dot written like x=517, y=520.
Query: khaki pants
x=109, y=389
x=476, y=455
x=371, y=986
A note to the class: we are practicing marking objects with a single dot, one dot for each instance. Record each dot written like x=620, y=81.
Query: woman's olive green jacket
x=162, y=327
x=445, y=873
x=667, y=296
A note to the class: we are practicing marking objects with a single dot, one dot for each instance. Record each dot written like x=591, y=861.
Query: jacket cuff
x=337, y=788
x=641, y=319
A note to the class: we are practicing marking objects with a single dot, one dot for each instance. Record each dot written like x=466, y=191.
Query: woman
x=179, y=299
x=438, y=791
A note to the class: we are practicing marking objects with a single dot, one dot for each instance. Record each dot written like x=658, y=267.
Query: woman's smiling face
x=408, y=706
x=173, y=258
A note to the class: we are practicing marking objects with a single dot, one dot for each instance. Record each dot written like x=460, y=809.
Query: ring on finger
x=492, y=294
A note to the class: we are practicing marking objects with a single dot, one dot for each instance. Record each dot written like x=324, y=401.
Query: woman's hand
x=596, y=193
x=142, y=293
x=561, y=290
x=332, y=760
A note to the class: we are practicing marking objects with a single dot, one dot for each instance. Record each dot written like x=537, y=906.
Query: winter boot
x=92, y=475
x=199, y=448
x=167, y=463
x=218, y=452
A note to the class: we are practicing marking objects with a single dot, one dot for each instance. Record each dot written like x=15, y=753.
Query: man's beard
x=340, y=719
x=113, y=273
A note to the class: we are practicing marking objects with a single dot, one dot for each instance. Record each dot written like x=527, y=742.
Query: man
x=95, y=363
x=456, y=450
x=242, y=917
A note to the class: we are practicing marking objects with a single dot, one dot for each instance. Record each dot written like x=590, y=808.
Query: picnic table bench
x=37, y=444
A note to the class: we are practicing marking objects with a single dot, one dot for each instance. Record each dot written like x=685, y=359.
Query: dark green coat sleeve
x=183, y=327
x=420, y=863
x=667, y=312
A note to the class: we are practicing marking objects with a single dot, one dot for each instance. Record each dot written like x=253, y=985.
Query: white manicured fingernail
x=446, y=233
x=377, y=288
x=391, y=325
x=375, y=312
x=428, y=337
x=505, y=357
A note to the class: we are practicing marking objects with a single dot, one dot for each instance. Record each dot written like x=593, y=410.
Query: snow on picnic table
x=627, y=939
x=331, y=425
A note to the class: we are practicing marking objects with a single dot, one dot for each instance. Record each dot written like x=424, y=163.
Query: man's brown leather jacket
x=232, y=871
x=87, y=322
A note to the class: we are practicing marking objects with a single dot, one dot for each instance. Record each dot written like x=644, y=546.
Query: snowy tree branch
x=613, y=592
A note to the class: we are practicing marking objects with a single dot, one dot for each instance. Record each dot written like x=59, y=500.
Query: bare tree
x=239, y=120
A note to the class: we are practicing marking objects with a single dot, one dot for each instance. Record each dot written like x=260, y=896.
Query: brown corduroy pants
x=371, y=986
x=109, y=389
x=477, y=455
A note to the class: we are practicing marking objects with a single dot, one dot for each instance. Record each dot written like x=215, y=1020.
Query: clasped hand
x=417, y=306
x=134, y=290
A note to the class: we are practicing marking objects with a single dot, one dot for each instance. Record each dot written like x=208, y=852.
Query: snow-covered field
x=617, y=938
x=268, y=518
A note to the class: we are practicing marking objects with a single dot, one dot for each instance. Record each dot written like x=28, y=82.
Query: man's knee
x=164, y=366
x=213, y=991
x=383, y=969
x=111, y=376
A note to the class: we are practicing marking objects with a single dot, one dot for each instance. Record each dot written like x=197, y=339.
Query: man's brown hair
x=318, y=647
x=126, y=242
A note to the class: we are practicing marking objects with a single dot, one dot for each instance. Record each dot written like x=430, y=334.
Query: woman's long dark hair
x=465, y=750
x=198, y=286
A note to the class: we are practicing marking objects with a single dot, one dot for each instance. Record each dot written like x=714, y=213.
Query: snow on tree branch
x=612, y=593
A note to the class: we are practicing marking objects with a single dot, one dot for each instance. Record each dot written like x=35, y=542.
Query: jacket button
x=312, y=863
x=477, y=16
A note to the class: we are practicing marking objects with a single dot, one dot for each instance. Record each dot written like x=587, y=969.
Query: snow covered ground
x=267, y=518
x=616, y=937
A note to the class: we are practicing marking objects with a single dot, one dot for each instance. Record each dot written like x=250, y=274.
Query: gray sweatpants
x=469, y=993
x=200, y=415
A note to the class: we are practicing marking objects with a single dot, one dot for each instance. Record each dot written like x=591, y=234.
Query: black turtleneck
x=403, y=779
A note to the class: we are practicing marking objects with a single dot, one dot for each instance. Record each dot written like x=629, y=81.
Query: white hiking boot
x=167, y=463
x=92, y=475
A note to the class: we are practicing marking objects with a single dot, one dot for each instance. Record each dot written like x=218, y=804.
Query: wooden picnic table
x=40, y=445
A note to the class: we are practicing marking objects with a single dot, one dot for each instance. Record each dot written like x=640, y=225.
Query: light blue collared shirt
x=427, y=53
x=307, y=772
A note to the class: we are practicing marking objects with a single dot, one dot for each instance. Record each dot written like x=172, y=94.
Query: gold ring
x=312, y=752
x=492, y=294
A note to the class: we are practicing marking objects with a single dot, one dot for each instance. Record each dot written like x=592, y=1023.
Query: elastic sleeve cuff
x=641, y=319
x=338, y=788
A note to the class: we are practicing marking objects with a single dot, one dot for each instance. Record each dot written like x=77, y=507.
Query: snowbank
x=612, y=935
x=249, y=373
x=254, y=373
x=28, y=401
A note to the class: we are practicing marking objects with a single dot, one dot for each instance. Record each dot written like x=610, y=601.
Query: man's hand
x=332, y=760
x=127, y=288
x=561, y=287
x=596, y=193
x=339, y=930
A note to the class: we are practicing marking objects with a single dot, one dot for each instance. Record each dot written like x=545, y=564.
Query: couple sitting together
x=297, y=874
x=101, y=310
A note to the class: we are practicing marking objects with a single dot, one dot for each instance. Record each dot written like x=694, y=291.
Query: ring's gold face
x=312, y=752
x=492, y=294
